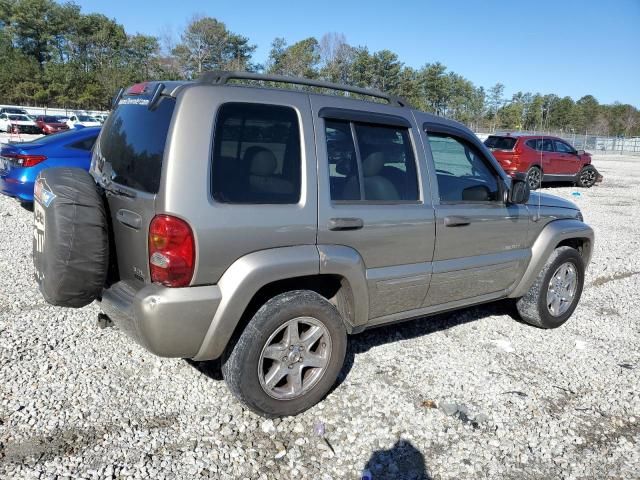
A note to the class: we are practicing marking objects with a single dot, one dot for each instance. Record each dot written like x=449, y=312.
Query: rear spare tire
x=70, y=238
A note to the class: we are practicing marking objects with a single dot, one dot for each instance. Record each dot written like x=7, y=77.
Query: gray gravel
x=472, y=394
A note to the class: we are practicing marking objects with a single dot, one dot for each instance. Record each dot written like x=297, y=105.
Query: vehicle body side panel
x=226, y=232
x=242, y=281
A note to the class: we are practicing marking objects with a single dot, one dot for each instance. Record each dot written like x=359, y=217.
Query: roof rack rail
x=221, y=77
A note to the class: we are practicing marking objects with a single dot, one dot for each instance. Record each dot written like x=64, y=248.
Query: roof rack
x=220, y=77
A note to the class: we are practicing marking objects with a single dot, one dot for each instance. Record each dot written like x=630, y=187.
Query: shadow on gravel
x=210, y=368
x=403, y=461
x=379, y=336
x=419, y=327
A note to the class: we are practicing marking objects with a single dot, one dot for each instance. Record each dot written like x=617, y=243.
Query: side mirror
x=519, y=192
x=580, y=152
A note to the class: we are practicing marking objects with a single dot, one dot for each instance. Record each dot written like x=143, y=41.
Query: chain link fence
x=592, y=143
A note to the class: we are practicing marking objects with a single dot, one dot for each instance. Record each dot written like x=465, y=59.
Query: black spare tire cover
x=70, y=238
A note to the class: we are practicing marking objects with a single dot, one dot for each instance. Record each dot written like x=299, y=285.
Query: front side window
x=463, y=175
x=381, y=168
x=256, y=155
x=562, y=147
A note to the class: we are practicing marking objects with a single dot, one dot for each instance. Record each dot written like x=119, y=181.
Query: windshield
x=500, y=143
x=19, y=118
x=49, y=119
x=85, y=118
x=132, y=143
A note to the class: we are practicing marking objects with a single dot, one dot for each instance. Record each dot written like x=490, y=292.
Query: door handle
x=345, y=224
x=132, y=219
x=456, y=221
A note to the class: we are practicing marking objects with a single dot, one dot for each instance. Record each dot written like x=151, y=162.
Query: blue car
x=20, y=163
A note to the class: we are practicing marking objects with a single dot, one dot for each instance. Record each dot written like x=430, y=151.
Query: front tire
x=288, y=356
x=534, y=178
x=555, y=294
x=587, y=176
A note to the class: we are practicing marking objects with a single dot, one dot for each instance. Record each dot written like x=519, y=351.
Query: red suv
x=542, y=158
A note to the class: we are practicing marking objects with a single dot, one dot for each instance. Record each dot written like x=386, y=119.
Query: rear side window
x=382, y=167
x=85, y=144
x=256, y=154
x=540, y=144
x=133, y=140
x=500, y=143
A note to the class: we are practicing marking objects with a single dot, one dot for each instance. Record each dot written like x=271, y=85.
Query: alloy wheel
x=562, y=289
x=294, y=358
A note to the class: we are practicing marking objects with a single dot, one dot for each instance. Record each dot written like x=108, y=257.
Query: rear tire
x=548, y=304
x=271, y=374
x=587, y=176
x=534, y=178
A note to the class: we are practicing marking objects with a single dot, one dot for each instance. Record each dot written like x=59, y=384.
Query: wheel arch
x=337, y=275
x=559, y=233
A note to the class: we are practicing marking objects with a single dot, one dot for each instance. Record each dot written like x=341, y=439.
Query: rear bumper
x=169, y=322
x=14, y=186
x=28, y=129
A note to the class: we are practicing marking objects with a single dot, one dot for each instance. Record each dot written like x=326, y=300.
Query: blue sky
x=567, y=47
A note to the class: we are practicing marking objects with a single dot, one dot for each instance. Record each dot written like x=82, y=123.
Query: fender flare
x=551, y=235
x=247, y=275
x=242, y=280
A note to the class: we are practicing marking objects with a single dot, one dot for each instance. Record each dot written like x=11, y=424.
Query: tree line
x=51, y=54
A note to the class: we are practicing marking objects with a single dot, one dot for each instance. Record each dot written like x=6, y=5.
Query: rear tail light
x=171, y=251
x=26, y=160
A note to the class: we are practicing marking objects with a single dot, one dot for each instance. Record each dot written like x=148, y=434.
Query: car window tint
x=387, y=162
x=132, y=143
x=547, y=145
x=463, y=175
x=256, y=154
x=85, y=144
x=562, y=147
x=500, y=143
x=383, y=162
x=344, y=178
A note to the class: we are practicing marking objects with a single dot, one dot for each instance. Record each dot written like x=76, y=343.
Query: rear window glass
x=256, y=154
x=500, y=143
x=132, y=143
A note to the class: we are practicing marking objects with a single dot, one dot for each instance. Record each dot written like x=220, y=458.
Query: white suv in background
x=84, y=120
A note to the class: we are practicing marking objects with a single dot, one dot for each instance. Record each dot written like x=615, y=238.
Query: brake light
x=171, y=251
x=26, y=160
x=137, y=89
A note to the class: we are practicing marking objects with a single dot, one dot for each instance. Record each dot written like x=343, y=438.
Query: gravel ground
x=471, y=394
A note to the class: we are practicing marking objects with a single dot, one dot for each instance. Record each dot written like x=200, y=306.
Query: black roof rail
x=221, y=77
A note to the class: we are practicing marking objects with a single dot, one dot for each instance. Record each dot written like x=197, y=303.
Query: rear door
x=373, y=197
x=480, y=241
x=547, y=156
x=127, y=161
